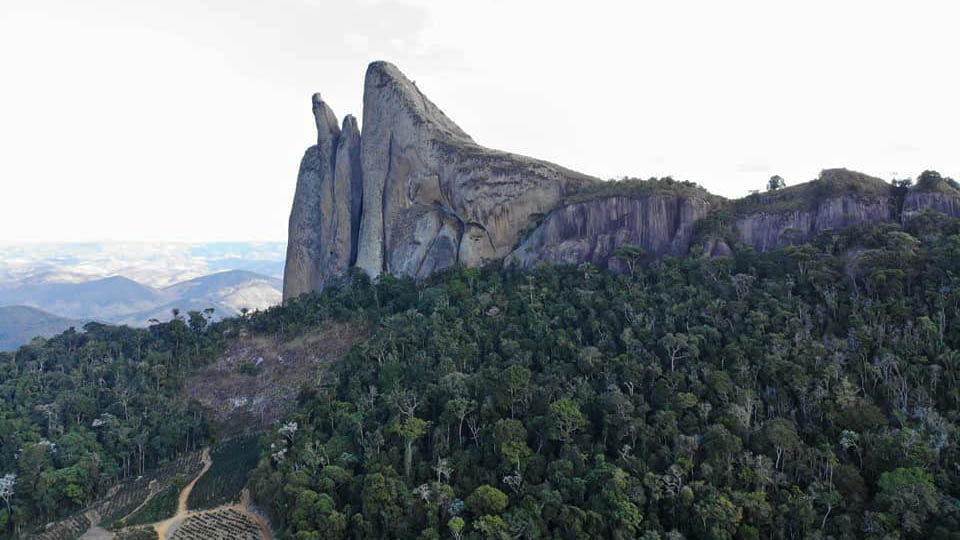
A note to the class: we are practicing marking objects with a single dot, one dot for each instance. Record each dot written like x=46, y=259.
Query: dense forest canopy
x=809, y=392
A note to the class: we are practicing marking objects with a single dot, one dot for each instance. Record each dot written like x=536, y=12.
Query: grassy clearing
x=222, y=484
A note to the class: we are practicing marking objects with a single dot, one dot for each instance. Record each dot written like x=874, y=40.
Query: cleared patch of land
x=256, y=381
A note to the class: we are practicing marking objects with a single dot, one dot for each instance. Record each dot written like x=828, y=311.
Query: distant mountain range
x=47, y=308
x=20, y=324
x=49, y=287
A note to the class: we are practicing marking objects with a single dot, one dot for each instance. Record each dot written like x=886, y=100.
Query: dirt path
x=164, y=527
x=167, y=527
x=95, y=532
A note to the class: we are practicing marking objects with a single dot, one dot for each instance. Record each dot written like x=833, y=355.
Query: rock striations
x=414, y=194
x=410, y=195
x=325, y=219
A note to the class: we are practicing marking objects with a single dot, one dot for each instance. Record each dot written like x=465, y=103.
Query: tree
x=485, y=500
x=567, y=418
x=679, y=347
x=410, y=429
x=7, y=484
x=775, y=183
x=910, y=495
x=631, y=255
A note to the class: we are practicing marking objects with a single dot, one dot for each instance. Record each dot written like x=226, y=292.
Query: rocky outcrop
x=838, y=199
x=915, y=201
x=413, y=194
x=434, y=198
x=766, y=231
x=325, y=218
x=590, y=231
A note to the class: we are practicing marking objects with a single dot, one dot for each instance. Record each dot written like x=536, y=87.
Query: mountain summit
x=431, y=196
x=414, y=194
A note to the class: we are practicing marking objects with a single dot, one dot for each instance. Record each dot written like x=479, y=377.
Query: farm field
x=224, y=524
x=232, y=462
x=123, y=499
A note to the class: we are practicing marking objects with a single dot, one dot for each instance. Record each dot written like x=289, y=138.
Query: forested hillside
x=83, y=410
x=808, y=392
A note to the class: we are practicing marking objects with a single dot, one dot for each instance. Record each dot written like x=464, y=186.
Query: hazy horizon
x=138, y=121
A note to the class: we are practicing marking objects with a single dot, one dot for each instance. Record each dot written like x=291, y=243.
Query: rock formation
x=414, y=194
x=432, y=197
x=325, y=218
x=590, y=231
x=838, y=199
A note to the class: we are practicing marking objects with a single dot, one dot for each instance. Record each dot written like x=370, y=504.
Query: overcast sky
x=186, y=119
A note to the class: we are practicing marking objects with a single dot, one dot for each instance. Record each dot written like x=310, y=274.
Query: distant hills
x=20, y=324
x=47, y=308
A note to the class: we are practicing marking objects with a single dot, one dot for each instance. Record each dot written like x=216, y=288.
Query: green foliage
x=160, y=507
x=805, y=196
x=143, y=533
x=82, y=411
x=232, y=461
x=808, y=392
x=637, y=188
x=776, y=182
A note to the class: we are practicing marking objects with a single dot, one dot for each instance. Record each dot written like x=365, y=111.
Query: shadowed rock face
x=915, y=201
x=325, y=218
x=766, y=231
x=591, y=231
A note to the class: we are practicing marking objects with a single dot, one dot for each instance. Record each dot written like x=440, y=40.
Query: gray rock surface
x=432, y=196
x=311, y=217
x=414, y=194
x=767, y=231
x=590, y=231
x=915, y=201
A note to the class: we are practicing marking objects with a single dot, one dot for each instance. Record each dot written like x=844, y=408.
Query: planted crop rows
x=227, y=524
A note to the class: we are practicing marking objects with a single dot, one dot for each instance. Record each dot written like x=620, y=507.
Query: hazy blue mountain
x=106, y=298
x=20, y=324
x=121, y=300
x=226, y=292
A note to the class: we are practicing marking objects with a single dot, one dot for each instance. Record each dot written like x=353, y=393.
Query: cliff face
x=591, y=231
x=946, y=203
x=325, y=219
x=414, y=194
x=432, y=196
x=410, y=195
x=766, y=231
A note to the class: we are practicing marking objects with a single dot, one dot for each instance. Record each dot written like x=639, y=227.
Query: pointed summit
x=433, y=197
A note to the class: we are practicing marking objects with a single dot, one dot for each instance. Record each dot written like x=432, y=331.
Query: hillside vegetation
x=802, y=393
x=810, y=392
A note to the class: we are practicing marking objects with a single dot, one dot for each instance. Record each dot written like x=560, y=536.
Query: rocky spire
x=310, y=217
x=433, y=197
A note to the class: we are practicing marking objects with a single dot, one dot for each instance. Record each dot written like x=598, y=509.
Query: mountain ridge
x=432, y=198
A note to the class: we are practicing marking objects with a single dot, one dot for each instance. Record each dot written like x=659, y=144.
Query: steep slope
x=325, y=218
x=658, y=216
x=837, y=199
x=20, y=324
x=431, y=196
